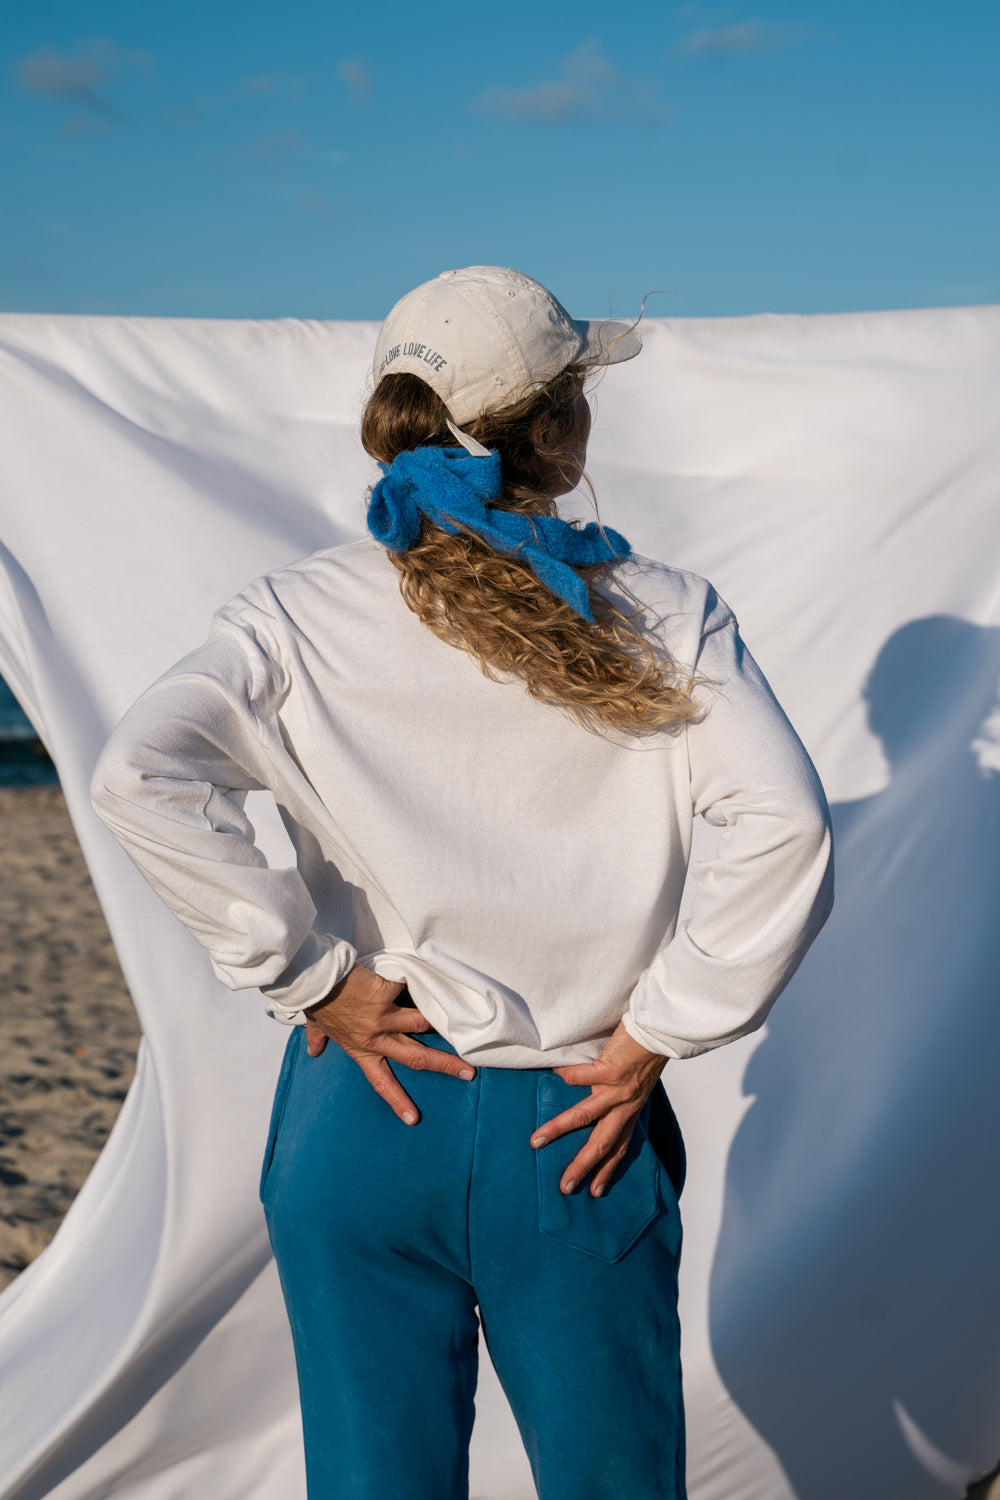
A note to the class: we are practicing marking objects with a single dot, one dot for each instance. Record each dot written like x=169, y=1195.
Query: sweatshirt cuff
x=321, y=962
x=656, y=1041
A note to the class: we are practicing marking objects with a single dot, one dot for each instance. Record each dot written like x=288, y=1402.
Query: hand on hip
x=360, y=1015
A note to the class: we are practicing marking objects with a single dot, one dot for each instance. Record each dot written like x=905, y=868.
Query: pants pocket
x=292, y=1047
x=610, y=1225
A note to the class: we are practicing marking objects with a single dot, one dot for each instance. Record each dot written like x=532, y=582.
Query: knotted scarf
x=453, y=489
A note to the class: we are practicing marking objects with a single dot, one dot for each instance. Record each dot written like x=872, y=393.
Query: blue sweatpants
x=387, y=1236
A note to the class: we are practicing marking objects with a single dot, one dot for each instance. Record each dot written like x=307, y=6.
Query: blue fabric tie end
x=453, y=489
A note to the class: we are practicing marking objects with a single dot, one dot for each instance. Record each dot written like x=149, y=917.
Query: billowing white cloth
x=835, y=477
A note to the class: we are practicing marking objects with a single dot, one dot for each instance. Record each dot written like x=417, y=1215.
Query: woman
x=487, y=731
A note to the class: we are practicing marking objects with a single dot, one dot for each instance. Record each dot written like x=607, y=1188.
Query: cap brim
x=608, y=341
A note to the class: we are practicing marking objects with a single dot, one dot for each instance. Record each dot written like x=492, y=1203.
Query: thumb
x=316, y=1039
x=601, y=1070
x=579, y=1074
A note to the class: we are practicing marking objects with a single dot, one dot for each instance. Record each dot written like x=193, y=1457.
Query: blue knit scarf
x=452, y=488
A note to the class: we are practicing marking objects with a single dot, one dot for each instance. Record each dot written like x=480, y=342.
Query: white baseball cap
x=484, y=336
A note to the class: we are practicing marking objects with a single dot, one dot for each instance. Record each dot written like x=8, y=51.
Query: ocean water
x=23, y=759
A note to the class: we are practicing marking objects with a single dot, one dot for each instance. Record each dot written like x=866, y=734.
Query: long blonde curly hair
x=607, y=674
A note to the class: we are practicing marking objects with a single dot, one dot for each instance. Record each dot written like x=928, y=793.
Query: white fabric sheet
x=836, y=478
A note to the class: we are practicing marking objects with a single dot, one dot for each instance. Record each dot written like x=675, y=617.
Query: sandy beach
x=68, y=1031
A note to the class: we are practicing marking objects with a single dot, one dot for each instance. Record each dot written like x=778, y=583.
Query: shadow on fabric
x=855, y=1298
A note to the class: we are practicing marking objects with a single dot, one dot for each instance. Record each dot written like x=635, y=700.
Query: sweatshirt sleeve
x=171, y=783
x=759, y=902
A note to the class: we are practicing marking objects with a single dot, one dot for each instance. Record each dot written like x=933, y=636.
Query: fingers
x=604, y=1150
x=415, y=1055
x=405, y=1018
x=612, y=1120
x=607, y=1169
x=427, y=1059
x=387, y=1086
x=587, y=1112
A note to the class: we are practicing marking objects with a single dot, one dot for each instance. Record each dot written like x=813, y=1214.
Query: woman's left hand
x=621, y=1081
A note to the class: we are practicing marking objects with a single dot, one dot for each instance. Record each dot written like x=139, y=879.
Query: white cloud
x=82, y=125
x=279, y=143
x=284, y=157
x=80, y=80
x=192, y=113
x=586, y=87
x=743, y=39
x=274, y=83
x=354, y=73
x=241, y=96
x=318, y=205
x=272, y=157
x=269, y=157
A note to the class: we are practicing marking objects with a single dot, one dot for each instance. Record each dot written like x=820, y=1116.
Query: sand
x=68, y=1031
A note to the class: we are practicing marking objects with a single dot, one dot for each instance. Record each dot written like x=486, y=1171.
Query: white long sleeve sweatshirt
x=522, y=874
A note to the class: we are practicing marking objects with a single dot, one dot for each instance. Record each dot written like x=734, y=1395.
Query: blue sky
x=226, y=159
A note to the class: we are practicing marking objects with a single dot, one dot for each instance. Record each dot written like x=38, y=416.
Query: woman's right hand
x=360, y=1016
